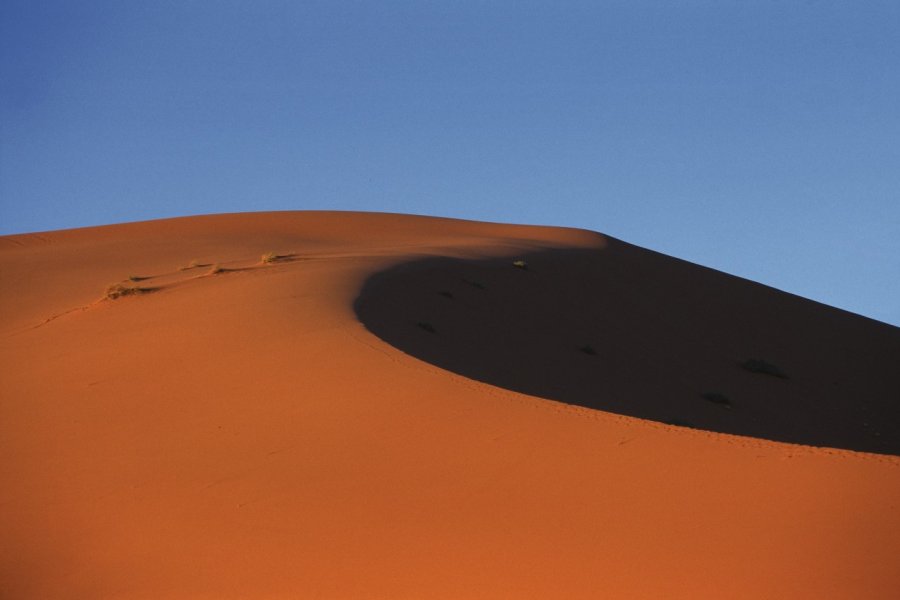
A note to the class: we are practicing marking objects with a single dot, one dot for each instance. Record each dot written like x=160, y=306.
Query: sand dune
x=389, y=408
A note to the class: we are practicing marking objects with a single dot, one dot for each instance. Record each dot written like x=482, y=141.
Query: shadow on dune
x=633, y=332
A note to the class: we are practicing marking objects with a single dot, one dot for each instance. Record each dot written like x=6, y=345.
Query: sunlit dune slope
x=233, y=427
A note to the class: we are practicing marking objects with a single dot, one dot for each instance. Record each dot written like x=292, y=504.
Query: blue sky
x=758, y=138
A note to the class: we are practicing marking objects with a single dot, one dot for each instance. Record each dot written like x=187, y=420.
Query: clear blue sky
x=759, y=138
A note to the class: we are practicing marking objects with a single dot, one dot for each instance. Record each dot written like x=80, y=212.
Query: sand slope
x=244, y=435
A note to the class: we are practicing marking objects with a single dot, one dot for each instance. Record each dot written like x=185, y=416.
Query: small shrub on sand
x=215, y=270
x=520, y=264
x=717, y=398
x=269, y=257
x=758, y=365
x=117, y=290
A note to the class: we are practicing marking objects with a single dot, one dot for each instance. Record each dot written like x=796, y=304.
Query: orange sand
x=243, y=435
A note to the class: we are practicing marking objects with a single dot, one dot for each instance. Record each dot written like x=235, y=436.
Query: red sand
x=243, y=435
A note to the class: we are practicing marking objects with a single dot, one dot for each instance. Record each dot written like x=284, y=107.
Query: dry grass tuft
x=118, y=290
x=426, y=327
x=762, y=367
x=717, y=398
x=269, y=257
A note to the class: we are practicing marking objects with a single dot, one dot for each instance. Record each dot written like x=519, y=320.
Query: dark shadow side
x=633, y=332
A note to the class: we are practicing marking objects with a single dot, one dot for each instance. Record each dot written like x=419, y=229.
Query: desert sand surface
x=389, y=407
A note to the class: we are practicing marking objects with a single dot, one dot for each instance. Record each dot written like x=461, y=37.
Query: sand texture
x=351, y=405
